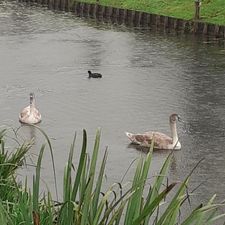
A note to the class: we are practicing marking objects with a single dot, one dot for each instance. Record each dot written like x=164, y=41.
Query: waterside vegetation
x=83, y=200
x=211, y=11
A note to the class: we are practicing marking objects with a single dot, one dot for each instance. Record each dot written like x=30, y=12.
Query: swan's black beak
x=179, y=118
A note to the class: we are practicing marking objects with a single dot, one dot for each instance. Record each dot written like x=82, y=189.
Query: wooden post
x=205, y=29
x=124, y=16
x=217, y=30
x=197, y=9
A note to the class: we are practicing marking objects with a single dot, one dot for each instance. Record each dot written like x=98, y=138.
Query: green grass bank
x=212, y=11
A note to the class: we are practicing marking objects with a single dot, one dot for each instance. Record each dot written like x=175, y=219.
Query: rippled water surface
x=146, y=76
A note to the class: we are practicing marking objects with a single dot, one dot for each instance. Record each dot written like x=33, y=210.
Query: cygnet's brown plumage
x=161, y=141
x=30, y=114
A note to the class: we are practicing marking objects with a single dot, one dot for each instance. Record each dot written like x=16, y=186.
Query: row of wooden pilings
x=132, y=17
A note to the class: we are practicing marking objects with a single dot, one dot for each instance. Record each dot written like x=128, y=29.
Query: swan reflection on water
x=145, y=149
x=29, y=133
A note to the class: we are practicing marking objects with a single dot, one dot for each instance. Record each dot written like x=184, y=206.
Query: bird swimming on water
x=161, y=140
x=94, y=75
x=30, y=114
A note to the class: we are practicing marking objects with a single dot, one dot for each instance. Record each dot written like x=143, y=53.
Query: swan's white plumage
x=161, y=141
x=30, y=114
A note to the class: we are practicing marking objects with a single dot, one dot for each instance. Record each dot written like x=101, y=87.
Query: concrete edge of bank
x=132, y=17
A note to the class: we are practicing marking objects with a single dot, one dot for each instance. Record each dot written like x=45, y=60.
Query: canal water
x=147, y=75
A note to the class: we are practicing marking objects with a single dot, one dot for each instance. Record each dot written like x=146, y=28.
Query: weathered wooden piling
x=131, y=17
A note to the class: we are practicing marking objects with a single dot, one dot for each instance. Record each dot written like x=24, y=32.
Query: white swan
x=161, y=141
x=30, y=114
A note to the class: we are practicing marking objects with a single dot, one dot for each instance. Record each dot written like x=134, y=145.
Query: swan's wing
x=36, y=113
x=25, y=112
x=161, y=141
x=29, y=116
x=141, y=139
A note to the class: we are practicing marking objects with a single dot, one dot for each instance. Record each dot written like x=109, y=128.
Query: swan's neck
x=173, y=127
x=32, y=104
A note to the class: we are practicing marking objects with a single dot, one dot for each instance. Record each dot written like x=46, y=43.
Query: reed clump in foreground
x=83, y=201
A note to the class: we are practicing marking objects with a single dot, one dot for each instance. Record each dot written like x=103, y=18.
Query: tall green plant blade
x=214, y=218
x=149, y=210
x=4, y=216
x=174, y=211
x=131, y=207
x=47, y=210
x=153, y=192
x=194, y=216
x=52, y=157
x=211, y=216
x=126, y=196
x=83, y=181
x=67, y=178
x=88, y=191
x=201, y=218
x=36, y=182
x=10, y=163
x=178, y=194
x=67, y=212
x=94, y=155
x=204, y=214
x=141, y=173
x=99, y=184
x=22, y=209
x=117, y=214
x=2, y=134
x=176, y=198
x=166, y=216
x=101, y=206
x=142, y=181
x=80, y=167
x=159, y=180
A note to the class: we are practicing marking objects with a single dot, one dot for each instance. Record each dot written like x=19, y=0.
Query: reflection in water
x=147, y=76
x=138, y=147
x=29, y=132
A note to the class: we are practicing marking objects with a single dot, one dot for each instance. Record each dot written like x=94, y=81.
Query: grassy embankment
x=212, y=11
